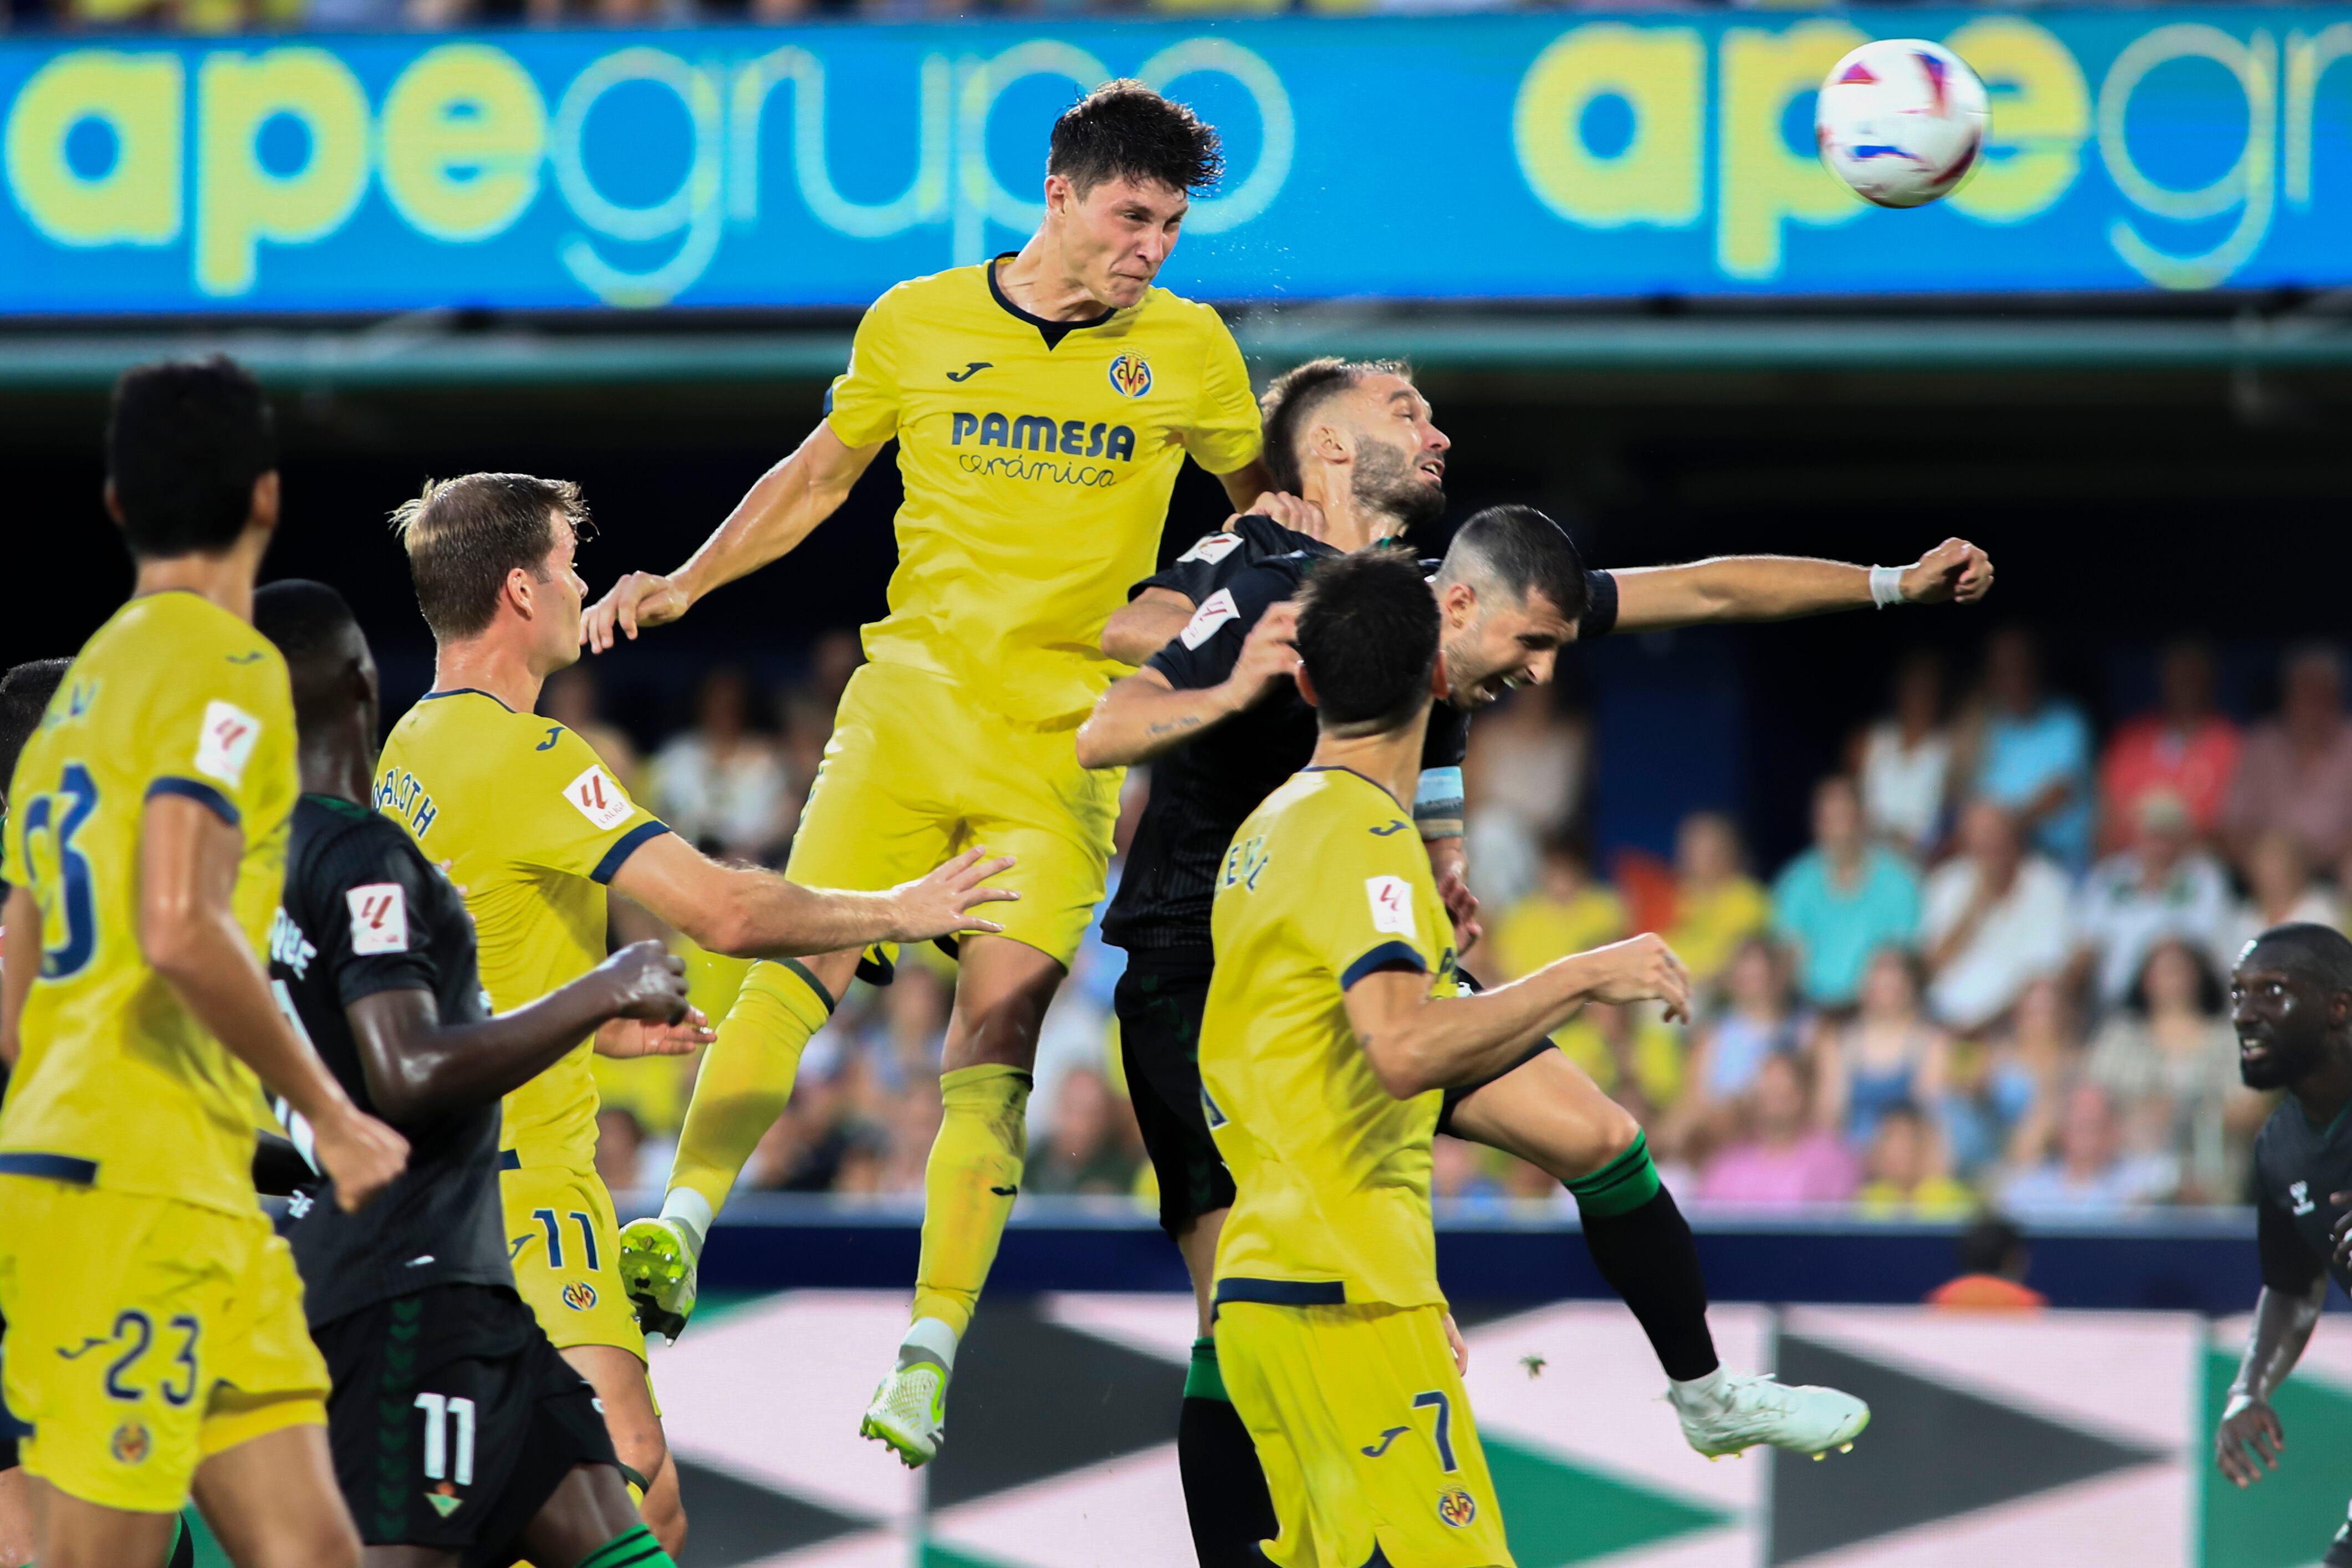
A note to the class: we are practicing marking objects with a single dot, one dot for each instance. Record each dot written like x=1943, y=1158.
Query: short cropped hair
x=1368, y=634
x=464, y=536
x=1124, y=129
x=1292, y=398
x=186, y=442
x=308, y=620
x=1523, y=552
x=2307, y=948
x=24, y=693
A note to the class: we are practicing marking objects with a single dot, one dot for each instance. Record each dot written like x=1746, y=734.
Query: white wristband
x=1885, y=585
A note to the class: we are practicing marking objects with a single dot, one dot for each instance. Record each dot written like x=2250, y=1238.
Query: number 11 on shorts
x=441, y=1413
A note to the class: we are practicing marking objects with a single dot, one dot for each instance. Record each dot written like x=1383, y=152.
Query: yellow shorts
x=566, y=1246
x=915, y=773
x=144, y=1336
x=1365, y=1434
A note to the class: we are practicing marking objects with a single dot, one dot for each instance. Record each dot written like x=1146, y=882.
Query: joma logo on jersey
x=1035, y=433
x=1130, y=375
x=398, y=795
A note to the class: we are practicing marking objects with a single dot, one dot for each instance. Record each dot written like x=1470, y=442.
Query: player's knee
x=1606, y=1131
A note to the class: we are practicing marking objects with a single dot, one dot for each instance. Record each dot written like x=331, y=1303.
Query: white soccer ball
x=1902, y=120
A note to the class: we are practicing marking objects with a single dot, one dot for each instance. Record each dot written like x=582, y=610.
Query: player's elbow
x=1095, y=749
x=1127, y=636
x=1402, y=1071
x=726, y=923
x=173, y=939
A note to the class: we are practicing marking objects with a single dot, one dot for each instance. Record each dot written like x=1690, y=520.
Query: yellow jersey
x=530, y=826
x=1038, y=457
x=118, y=1085
x=1325, y=882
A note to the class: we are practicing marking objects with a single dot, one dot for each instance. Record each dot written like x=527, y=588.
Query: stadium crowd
x=1995, y=976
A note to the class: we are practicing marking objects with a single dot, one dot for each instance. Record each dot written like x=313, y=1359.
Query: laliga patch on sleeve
x=1391, y=899
x=599, y=799
x=225, y=744
x=1214, y=612
x=1212, y=548
x=379, y=918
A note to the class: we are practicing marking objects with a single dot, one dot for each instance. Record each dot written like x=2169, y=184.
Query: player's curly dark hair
x=1124, y=129
x=1368, y=634
x=24, y=693
x=1291, y=399
x=464, y=535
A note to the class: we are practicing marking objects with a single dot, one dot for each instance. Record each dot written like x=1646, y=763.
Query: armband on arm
x=1437, y=803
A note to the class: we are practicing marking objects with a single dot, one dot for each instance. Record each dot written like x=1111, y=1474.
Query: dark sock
x=1225, y=1492
x=1643, y=1246
x=632, y=1548
x=184, y=1547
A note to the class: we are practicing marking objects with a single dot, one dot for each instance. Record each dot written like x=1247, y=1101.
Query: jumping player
x=2291, y=1001
x=532, y=827
x=1043, y=404
x=1215, y=707
x=459, y=1431
x=1331, y=1024
x=146, y=841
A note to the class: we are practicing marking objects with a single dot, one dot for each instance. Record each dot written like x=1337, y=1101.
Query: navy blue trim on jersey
x=1343, y=768
x=465, y=692
x=69, y=1168
x=510, y=1159
x=1282, y=1292
x=623, y=848
x=1387, y=956
x=203, y=794
x=1051, y=332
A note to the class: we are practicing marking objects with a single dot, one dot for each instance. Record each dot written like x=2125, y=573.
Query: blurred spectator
x=1995, y=919
x=1755, y=1022
x=2166, y=887
x=720, y=785
x=1568, y=912
x=2294, y=775
x=2090, y=1177
x=1906, y=766
x=2032, y=755
x=2001, y=1090
x=1629, y=1052
x=2169, y=1062
x=1993, y=1261
x=1887, y=1055
x=1457, y=1172
x=1717, y=906
x=1843, y=900
x=1782, y=1156
x=1087, y=1150
x=1521, y=783
x=833, y=657
x=1904, y=1174
x=2279, y=890
x=571, y=699
x=2185, y=749
x=619, y=1141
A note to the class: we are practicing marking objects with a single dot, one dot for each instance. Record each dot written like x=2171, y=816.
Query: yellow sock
x=747, y=1076
x=969, y=1186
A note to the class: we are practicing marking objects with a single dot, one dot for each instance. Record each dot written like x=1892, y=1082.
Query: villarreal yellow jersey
x=530, y=826
x=119, y=1084
x=1038, y=457
x=1325, y=882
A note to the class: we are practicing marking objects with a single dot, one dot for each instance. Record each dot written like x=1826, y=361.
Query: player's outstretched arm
x=20, y=960
x=750, y=914
x=1417, y=1042
x=1146, y=713
x=189, y=935
x=1784, y=588
x=777, y=513
x=2249, y=1437
x=418, y=1067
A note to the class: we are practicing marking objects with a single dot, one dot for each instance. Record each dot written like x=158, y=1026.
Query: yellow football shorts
x=566, y=1246
x=145, y=1335
x=915, y=773
x=1365, y=1434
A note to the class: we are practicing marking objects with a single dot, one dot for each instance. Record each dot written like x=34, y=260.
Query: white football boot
x=1732, y=1412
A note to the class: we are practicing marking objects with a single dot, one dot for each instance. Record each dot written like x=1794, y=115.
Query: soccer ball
x=1901, y=120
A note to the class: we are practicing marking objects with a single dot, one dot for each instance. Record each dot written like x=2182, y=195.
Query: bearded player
x=1042, y=403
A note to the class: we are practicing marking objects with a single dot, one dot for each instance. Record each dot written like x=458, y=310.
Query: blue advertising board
x=1512, y=157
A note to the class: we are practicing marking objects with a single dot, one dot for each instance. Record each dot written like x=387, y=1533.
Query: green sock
x=1622, y=1186
x=1203, y=1379
x=632, y=1548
